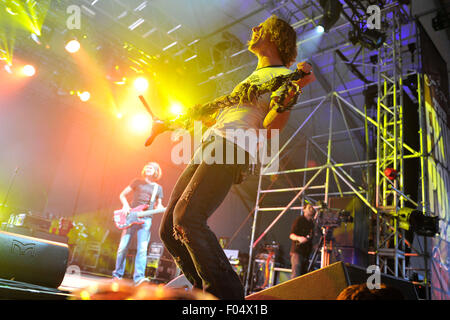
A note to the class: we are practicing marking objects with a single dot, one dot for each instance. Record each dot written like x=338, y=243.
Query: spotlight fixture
x=140, y=123
x=84, y=96
x=414, y=220
x=8, y=68
x=371, y=39
x=73, y=46
x=35, y=38
x=441, y=21
x=28, y=70
x=391, y=173
x=141, y=84
x=176, y=109
x=331, y=13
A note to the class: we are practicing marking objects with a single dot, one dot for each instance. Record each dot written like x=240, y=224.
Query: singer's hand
x=306, y=68
x=302, y=240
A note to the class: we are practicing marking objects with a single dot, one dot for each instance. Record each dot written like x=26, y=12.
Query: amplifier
x=30, y=221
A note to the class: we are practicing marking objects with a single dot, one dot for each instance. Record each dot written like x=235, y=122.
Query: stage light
x=331, y=13
x=414, y=220
x=36, y=30
x=320, y=29
x=9, y=10
x=73, y=46
x=190, y=58
x=121, y=82
x=140, y=123
x=141, y=84
x=193, y=42
x=35, y=38
x=391, y=173
x=8, y=68
x=441, y=21
x=176, y=109
x=170, y=46
x=84, y=96
x=119, y=115
x=370, y=39
x=28, y=70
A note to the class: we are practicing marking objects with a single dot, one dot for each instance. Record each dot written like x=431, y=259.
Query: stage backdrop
x=437, y=145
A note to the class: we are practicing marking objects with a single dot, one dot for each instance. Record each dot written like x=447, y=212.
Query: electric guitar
x=124, y=221
x=289, y=85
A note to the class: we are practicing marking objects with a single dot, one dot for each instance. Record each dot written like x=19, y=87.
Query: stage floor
x=12, y=290
x=72, y=282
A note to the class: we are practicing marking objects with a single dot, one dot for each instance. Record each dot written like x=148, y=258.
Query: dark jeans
x=200, y=189
x=299, y=264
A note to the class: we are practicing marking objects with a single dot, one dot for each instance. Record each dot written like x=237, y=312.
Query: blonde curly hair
x=158, y=172
x=284, y=37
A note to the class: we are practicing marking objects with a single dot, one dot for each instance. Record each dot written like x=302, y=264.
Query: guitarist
x=301, y=235
x=203, y=186
x=145, y=191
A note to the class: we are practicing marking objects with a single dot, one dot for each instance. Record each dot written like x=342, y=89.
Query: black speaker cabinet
x=32, y=260
x=327, y=283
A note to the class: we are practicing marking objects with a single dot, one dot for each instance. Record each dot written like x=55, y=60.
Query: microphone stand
x=10, y=187
x=319, y=245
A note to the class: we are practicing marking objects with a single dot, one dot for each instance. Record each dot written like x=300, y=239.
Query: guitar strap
x=155, y=190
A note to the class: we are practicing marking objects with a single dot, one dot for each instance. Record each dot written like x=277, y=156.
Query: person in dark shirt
x=145, y=191
x=301, y=236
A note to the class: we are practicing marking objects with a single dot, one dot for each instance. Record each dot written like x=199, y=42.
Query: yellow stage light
x=9, y=10
x=176, y=109
x=73, y=46
x=121, y=82
x=140, y=123
x=141, y=84
x=36, y=30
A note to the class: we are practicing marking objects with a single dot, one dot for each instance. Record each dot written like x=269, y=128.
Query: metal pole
x=250, y=253
x=288, y=206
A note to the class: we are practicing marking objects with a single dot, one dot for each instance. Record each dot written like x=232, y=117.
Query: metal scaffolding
x=390, y=239
x=383, y=197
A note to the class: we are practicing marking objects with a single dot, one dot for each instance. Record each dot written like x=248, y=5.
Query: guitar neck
x=148, y=213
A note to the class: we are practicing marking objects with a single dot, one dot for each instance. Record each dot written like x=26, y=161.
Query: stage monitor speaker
x=32, y=260
x=281, y=275
x=327, y=283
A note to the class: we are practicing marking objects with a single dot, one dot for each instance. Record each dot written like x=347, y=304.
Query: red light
x=391, y=173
